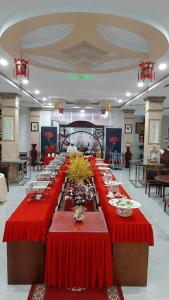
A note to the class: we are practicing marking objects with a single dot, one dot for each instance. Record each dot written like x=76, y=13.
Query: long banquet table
x=78, y=254
x=25, y=233
x=27, y=228
x=131, y=238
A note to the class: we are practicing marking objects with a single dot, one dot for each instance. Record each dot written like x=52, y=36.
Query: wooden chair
x=39, y=164
x=23, y=155
x=164, y=171
x=4, y=169
x=151, y=182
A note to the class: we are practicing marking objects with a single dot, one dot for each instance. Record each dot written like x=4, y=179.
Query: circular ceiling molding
x=116, y=63
x=51, y=62
x=87, y=42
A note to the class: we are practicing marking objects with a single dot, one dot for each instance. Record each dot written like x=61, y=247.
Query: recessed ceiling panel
x=123, y=38
x=46, y=35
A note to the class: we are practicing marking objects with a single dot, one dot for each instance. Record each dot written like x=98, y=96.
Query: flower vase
x=79, y=213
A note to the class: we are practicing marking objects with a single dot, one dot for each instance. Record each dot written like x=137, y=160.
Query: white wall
x=24, y=130
x=45, y=118
x=114, y=119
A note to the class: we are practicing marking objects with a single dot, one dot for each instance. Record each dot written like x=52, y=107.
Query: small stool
x=166, y=202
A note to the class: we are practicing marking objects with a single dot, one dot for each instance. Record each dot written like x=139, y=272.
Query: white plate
x=115, y=183
x=115, y=202
x=110, y=195
x=104, y=168
x=112, y=183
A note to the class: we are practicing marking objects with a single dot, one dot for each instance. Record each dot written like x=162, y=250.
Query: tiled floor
x=158, y=275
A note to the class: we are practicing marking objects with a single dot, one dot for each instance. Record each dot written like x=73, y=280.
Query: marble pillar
x=10, y=126
x=153, y=125
x=128, y=131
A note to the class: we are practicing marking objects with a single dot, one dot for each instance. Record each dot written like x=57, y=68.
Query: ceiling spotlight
x=3, y=62
x=25, y=81
x=50, y=104
x=44, y=98
x=120, y=100
x=76, y=107
x=36, y=92
x=162, y=66
x=128, y=94
x=82, y=110
x=140, y=84
x=88, y=107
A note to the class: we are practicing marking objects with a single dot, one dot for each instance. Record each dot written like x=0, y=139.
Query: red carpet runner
x=41, y=292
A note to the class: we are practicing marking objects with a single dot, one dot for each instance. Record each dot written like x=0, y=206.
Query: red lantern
x=61, y=110
x=103, y=111
x=146, y=70
x=21, y=68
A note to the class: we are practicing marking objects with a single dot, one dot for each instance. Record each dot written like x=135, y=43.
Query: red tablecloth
x=78, y=254
x=31, y=220
x=133, y=229
x=47, y=160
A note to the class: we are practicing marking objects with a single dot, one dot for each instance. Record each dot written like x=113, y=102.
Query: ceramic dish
x=124, y=206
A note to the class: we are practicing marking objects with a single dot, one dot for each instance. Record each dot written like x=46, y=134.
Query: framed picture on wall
x=34, y=126
x=8, y=128
x=141, y=137
x=128, y=128
x=154, y=131
x=139, y=127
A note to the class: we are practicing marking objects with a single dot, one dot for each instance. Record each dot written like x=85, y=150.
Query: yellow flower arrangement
x=79, y=168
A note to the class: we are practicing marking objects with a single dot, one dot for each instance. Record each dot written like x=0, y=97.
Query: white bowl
x=124, y=206
x=110, y=195
x=124, y=212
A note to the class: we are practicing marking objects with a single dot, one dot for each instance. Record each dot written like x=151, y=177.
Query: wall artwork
x=113, y=141
x=34, y=126
x=8, y=129
x=128, y=128
x=154, y=131
x=48, y=140
x=141, y=137
x=139, y=127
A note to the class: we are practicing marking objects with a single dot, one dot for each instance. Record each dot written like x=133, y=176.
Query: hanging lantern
x=61, y=110
x=103, y=111
x=146, y=71
x=21, y=71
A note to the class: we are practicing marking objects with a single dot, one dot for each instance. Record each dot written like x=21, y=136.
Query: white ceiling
x=101, y=86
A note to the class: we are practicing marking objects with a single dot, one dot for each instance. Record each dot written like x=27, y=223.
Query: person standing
x=72, y=148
